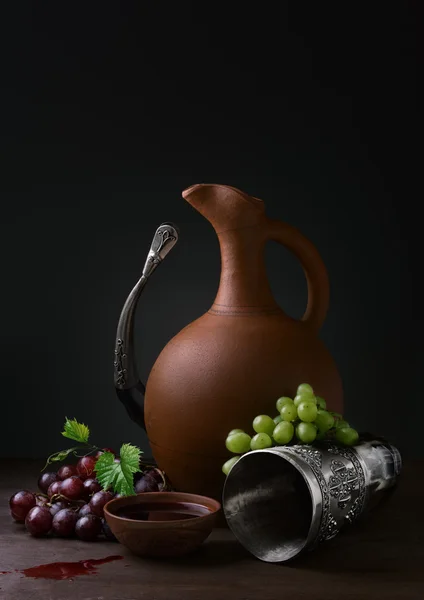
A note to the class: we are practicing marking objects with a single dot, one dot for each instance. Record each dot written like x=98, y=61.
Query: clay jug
x=233, y=362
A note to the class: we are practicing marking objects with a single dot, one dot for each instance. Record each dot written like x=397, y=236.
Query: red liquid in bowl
x=162, y=511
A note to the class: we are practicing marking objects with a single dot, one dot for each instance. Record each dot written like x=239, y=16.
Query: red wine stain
x=5, y=572
x=66, y=570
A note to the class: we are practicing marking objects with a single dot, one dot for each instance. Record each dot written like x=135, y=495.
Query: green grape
x=277, y=419
x=238, y=443
x=306, y=432
x=283, y=432
x=260, y=441
x=347, y=436
x=324, y=420
x=304, y=389
x=289, y=412
x=321, y=402
x=304, y=398
x=282, y=401
x=233, y=431
x=263, y=424
x=307, y=411
x=298, y=399
x=227, y=466
x=341, y=423
x=321, y=435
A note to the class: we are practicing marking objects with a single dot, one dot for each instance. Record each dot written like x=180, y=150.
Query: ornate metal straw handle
x=164, y=240
x=127, y=382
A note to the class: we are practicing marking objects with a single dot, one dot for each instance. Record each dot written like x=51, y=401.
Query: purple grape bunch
x=71, y=502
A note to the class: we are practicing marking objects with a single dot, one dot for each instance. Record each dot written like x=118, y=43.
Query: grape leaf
x=105, y=470
x=76, y=431
x=58, y=456
x=119, y=475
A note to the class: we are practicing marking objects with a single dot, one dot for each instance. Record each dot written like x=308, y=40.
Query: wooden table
x=382, y=558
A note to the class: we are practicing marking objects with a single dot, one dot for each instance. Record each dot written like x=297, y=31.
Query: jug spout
x=241, y=225
x=225, y=207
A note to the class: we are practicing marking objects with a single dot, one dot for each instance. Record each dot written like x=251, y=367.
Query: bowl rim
x=163, y=495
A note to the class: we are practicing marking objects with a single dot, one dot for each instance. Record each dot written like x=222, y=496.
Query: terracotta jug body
x=234, y=362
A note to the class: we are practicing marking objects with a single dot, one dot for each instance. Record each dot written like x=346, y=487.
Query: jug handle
x=129, y=388
x=313, y=266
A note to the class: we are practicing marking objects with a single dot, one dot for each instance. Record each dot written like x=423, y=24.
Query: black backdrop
x=111, y=109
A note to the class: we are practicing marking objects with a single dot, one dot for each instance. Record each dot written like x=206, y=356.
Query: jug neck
x=244, y=285
x=240, y=223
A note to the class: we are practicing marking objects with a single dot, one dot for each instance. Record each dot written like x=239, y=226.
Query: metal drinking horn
x=129, y=388
x=285, y=500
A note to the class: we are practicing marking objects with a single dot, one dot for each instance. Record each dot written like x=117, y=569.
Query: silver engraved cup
x=282, y=501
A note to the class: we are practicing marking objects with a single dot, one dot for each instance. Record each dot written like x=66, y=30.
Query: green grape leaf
x=106, y=470
x=76, y=431
x=119, y=475
x=59, y=456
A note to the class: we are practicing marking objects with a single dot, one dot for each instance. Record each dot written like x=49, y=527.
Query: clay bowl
x=173, y=524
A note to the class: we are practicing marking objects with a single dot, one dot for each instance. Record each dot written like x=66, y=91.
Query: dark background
x=109, y=110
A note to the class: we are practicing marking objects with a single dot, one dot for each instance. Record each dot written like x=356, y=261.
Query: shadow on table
x=214, y=553
x=375, y=545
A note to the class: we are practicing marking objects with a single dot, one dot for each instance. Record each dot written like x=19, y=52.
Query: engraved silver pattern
x=119, y=362
x=358, y=505
x=164, y=240
x=342, y=482
x=314, y=459
x=127, y=381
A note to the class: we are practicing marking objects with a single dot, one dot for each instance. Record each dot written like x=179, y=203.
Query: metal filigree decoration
x=120, y=357
x=310, y=454
x=165, y=238
x=314, y=459
x=342, y=482
x=354, y=511
x=359, y=502
x=166, y=235
x=331, y=530
x=162, y=237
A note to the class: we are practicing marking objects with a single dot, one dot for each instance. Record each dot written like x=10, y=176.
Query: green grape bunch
x=303, y=419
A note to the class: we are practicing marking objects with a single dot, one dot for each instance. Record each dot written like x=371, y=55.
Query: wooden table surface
x=383, y=557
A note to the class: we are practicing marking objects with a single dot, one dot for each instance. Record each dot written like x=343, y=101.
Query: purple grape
x=158, y=477
x=85, y=466
x=102, y=451
x=20, y=505
x=39, y=521
x=155, y=474
x=137, y=476
x=91, y=486
x=146, y=484
x=88, y=528
x=72, y=488
x=67, y=471
x=54, y=488
x=57, y=506
x=98, y=501
x=84, y=511
x=107, y=532
x=45, y=480
x=64, y=522
x=41, y=500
